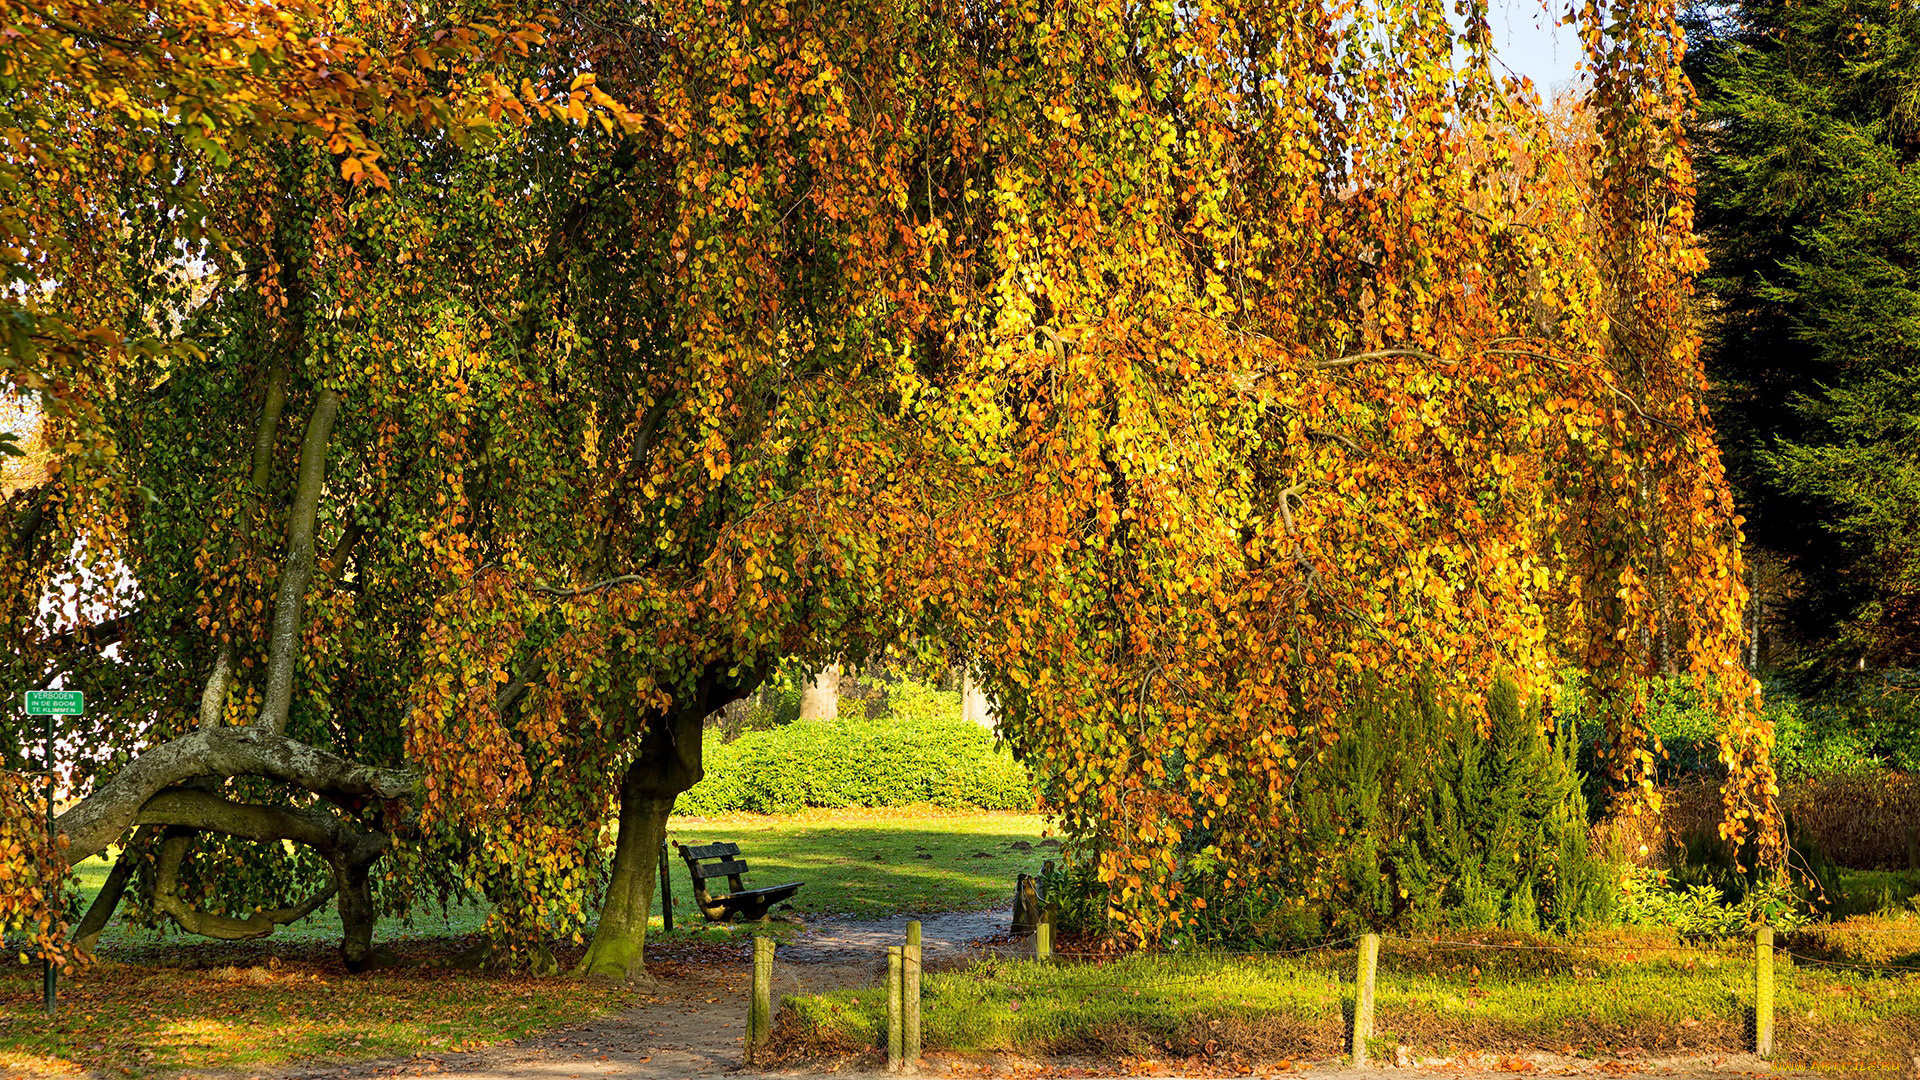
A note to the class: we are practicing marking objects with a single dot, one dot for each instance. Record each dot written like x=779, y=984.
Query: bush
x=1871, y=941
x=1856, y=731
x=914, y=755
x=1452, y=828
x=1703, y=910
x=1414, y=819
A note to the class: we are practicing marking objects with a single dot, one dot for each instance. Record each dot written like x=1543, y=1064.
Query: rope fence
x=905, y=966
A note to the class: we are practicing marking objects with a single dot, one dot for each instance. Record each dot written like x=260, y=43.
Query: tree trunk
x=974, y=706
x=667, y=764
x=354, y=893
x=620, y=939
x=821, y=699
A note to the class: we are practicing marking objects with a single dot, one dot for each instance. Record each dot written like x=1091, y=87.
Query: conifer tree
x=1810, y=198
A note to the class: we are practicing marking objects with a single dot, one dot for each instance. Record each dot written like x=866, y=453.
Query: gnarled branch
x=166, y=899
x=105, y=815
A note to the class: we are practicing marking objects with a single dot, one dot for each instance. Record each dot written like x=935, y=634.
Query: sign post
x=49, y=704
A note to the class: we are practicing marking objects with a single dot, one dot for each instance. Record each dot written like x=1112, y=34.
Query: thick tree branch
x=166, y=899
x=100, y=912
x=213, y=698
x=263, y=436
x=206, y=812
x=283, y=646
x=104, y=816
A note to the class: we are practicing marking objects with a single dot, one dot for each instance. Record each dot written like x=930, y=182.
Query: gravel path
x=948, y=935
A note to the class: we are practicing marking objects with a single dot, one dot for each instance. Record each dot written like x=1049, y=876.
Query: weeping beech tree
x=428, y=484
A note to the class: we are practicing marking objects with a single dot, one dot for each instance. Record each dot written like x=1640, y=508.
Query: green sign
x=55, y=703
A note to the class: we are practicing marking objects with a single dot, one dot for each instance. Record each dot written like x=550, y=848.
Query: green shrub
x=1703, y=910
x=1448, y=827
x=912, y=756
x=1854, y=730
x=1416, y=820
x=1849, y=730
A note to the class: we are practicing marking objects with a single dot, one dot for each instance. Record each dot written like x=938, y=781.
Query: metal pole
x=666, y=892
x=50, y=975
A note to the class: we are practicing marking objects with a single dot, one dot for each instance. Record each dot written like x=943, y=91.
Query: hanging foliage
x=1182, y=365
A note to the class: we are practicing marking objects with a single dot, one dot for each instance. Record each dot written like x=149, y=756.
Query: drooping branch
x=283, y=646
x=203, y=811
x=608, y=583
x=1377, y=354
x=166, y=899
x=104, y=816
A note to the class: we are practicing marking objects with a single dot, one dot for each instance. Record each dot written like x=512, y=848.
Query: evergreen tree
x=1420, y=818
x=1809, y=147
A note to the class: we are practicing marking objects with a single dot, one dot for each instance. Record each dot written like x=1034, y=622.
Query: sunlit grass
x=139, y=1020
x=1435, y=1003
x=877, y=862
x=164, y=1001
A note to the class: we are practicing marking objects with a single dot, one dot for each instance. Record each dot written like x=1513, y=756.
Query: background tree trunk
x=821, y=699
x=974, y=706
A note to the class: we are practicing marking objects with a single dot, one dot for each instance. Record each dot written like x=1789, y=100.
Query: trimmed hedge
x=893, y=761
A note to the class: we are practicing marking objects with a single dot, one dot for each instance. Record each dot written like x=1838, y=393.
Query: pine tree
x=1809, y=147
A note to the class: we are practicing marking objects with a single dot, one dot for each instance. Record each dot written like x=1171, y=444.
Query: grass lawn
x=137, y=1020
x=164, y=1001
x=1435, y=1001
x=876, y=862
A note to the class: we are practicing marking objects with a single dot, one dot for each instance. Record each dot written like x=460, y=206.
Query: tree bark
x=213, y=699
x=353, y=888
x=269, y=426
x=100, y=912
x=284, y=645
x=115, y=806
x=667, y=764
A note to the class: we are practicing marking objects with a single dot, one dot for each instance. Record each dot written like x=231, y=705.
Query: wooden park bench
x=747, y=904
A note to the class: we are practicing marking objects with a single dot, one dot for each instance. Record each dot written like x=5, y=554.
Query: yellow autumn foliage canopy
x=1181, y=365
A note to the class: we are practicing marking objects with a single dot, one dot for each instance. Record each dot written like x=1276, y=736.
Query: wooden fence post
x=910, y=1006
x=894, y=1047
x=666, y=891
x=1763, y=992
x=1043, y=940
x=760, y=1009
x=1363, y=996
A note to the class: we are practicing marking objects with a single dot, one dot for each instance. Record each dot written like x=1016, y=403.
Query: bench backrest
x=726, y=864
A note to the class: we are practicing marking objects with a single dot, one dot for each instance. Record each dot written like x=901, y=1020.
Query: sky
x=1527, y=40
